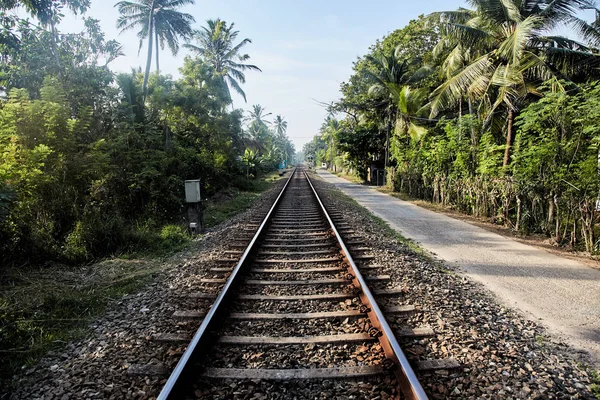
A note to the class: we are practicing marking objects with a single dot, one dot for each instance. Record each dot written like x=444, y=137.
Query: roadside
x=42, y=308
x=561, y=293
x=539, y=241
x=532, y=240
x=502, y=354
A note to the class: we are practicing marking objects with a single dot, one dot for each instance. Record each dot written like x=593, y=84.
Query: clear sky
x=304, y=48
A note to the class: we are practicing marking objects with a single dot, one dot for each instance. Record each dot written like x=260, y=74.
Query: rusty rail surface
x=410, y=385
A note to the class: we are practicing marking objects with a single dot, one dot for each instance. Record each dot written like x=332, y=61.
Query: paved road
x=564, y=294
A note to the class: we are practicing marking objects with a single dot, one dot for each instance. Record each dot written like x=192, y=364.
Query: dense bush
x=478, y=110
x=92, y=163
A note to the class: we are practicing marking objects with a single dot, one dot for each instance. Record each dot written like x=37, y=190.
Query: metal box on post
x=192, y=191
x=194, y=208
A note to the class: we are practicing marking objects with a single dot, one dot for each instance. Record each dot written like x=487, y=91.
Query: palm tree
x=389, y=75
x=329, y=132
x=279, y=129
x=216, y=46
x=410, y=106
x=258, y=114
x=510, y=51
x=260, y=135
x=280, y=125
x=159, y=21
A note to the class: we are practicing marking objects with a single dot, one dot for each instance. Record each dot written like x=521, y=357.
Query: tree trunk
x=518, y=225
x=473, y=134
x=460, y=116
x=550, y=213
x=556, y=217
x=54, y=35
x=149, y=58
x=387, y=139
x=509, y=137
x=157, y=63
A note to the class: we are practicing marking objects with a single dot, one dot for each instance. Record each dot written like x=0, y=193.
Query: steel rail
x=410, y=385
x=172, y=387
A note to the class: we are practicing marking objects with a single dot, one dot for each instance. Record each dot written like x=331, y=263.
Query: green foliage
x=174, y=235
x=75, y=248
x=595, y=375
x=216, y=46
x=515, y=140
x=92, y=164
x=42, y=309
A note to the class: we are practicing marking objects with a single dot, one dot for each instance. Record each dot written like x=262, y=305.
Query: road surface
x=562, y=294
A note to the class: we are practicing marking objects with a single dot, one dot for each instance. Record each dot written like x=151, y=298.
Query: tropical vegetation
x=92, y=161
x=486, y=110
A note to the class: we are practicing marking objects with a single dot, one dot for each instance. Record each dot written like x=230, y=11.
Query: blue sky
x=305, y=48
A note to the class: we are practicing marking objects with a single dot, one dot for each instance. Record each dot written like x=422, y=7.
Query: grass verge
x=351, y=178
x=387, y=229
x=234, y=201
x=43, y=308
x=595, y=375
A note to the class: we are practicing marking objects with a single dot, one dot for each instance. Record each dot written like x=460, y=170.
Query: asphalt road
x=560, y=293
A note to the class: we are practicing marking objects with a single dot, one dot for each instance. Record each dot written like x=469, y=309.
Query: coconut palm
x=259, y=114
x=280, y=125
x=158, y=21
x=260, y=136
x=389, y=74
x=410, y=106
x=216, y=46
x=330, y=130
x=507, y=49
x=279, y=129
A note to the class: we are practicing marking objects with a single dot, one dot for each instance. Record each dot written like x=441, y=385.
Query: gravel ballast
x=502, y=355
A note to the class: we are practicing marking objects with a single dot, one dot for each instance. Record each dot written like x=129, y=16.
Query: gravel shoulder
x=503, y=355
x=118, y=358
x=563, y=294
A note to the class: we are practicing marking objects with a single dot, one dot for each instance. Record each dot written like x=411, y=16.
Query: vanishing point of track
x=296, y=261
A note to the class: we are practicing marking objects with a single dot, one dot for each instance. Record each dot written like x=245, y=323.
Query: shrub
x=173, y=236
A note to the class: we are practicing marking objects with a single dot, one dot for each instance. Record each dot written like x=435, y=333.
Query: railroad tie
x=189, y=315
x=281, y=340
x=294, y=270
x=307, y=260
x=311, y=315
x=292, y=374
x=433, y=365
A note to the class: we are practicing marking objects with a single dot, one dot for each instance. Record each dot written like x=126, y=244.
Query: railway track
x=295, y=308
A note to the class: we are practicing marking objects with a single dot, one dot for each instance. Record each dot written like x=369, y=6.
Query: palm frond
x=125, y=23
x=175, y=3
x=236, y=49
x=516, y=42
x=447, y=94
x=129, y=7
x=416, y=132
x=244, y=67
x=460, y=16
x=589, y=32
x=513, y=13
x=468, y=36
x=557, y=41
x=573, y=62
